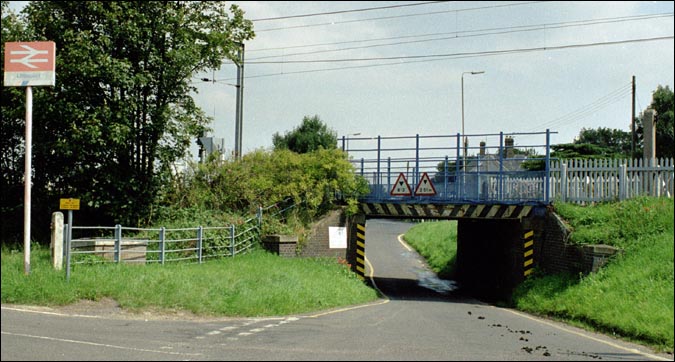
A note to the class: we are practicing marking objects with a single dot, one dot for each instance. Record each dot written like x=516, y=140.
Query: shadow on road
x=410, y=289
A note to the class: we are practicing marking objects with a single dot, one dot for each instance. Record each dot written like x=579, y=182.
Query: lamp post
x=466, y=140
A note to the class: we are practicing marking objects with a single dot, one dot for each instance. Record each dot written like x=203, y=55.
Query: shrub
x=264, y=178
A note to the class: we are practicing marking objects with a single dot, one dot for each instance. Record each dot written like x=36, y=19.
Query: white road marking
x=99, y=344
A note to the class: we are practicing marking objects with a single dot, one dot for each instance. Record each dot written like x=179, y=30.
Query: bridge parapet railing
x=493, y=169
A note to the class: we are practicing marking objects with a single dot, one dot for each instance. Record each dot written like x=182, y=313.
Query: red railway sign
x=30, y=63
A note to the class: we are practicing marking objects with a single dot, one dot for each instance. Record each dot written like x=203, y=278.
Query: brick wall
x=557, y=255
x=284, y=245
x=317, y=243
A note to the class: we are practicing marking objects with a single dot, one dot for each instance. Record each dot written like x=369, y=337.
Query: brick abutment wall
x=317, y=242
x=500, y=242
x=558, y=255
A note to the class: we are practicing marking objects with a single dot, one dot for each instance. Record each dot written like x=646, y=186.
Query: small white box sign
x=337, y=237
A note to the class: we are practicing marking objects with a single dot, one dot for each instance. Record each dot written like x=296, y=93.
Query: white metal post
x=27, y=180
x=29, y=64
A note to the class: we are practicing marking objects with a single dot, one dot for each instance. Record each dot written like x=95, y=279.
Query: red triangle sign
x=401, y=187
x=425, y=187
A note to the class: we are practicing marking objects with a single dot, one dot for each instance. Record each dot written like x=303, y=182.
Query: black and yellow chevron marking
x=478, y=211
x=361, y=251
x=528, y=252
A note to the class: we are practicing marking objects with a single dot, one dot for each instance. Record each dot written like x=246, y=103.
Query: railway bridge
x=495, y=185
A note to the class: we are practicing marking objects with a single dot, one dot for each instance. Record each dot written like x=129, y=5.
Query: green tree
x=662, y=103
x=579, y=150
x=310, y=136
x=595, y=143
x=591, y=143
x=121, y=111
x=612, y=142
x=12, y=134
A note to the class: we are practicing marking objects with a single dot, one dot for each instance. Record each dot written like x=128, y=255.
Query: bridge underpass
x=494, y=254
x=496, y=201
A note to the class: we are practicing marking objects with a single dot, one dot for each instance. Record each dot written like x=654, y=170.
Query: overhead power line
x=396, y=16
x=348, y=11
x=463, y=34
x=589, y=109
x=453, y=55
x=399, y=63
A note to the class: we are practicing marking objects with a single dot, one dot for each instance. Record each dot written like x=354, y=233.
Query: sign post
x=29, y=64
x=70, y=205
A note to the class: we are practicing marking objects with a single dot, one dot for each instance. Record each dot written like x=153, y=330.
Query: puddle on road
x=429, y=280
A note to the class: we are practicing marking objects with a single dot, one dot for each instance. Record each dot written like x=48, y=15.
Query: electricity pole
x=238, y=123
x=632, y=124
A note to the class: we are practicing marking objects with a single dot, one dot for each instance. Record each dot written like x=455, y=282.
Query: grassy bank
x=631, y=297
x=255, y=284
x=437, y=242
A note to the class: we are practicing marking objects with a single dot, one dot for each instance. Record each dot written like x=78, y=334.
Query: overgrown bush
x=294, y=189
x=263, y=178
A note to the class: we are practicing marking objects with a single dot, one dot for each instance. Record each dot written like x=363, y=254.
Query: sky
x=563, y=83
x=395, y=68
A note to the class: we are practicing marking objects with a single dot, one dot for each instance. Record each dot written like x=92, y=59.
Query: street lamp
x=466, y=140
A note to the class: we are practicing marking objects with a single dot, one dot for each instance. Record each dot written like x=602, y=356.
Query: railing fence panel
x=595, y=180
x=116, y=244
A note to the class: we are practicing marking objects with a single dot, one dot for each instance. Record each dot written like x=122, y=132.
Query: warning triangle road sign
x=401, y=187
x=425, y=187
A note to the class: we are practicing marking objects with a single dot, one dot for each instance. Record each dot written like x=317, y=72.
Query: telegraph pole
x=632, y=124
x=238, y=122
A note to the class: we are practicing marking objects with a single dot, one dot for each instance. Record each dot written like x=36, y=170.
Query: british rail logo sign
x=30, y=63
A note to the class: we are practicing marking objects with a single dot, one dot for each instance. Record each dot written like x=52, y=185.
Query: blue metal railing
x=491, y=170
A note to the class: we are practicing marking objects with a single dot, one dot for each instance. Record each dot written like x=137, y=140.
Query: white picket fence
x=583, y=181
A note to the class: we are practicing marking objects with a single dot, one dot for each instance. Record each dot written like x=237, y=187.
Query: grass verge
x=254, y=284
x=436, y=241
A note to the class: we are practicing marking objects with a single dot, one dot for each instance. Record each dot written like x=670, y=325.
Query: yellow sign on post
x=69, y=204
